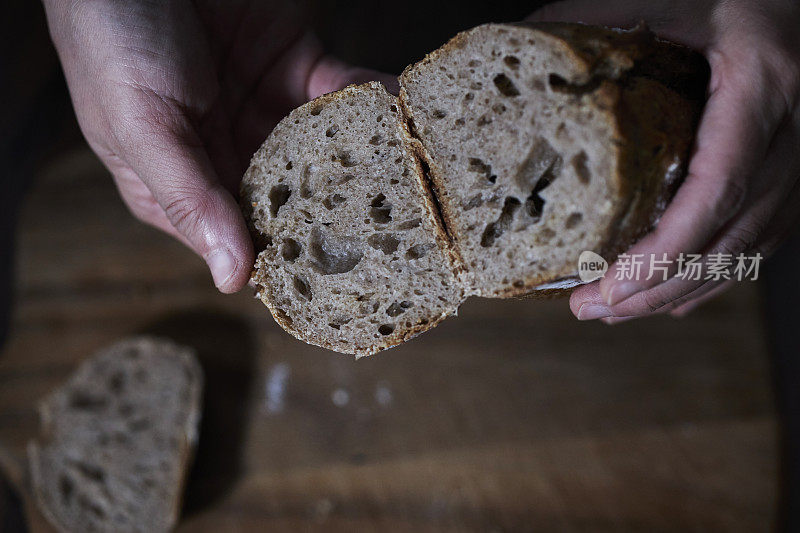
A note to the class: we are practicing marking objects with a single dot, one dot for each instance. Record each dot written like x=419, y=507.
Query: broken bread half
x=545, y=140
x=510, y=150
x=351, y=254
x=117, y=439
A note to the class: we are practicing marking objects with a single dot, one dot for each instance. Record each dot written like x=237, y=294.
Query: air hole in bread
x=409, y=224
x=330, y=132
x=505, y=85
x=380, y=212
x=333, y=255
x=499, y=108
x=88, y=471
x=116, y=383
x=344, y=158
x=261, y=242
x=316, y=109
x=484, y=120
x=289, y=165
x=542, y=162
x=333, y=201
x=472, y=203
x=306, y=216
x=468, y=97
x=84, y=401
x=283, y=315
x=560, y=85
x=439, y=114
x=386, y=329
x=291, y=250
x=478, y=166
x=579, y=163
x=398, y=308
x=573, y=220
x=344, y=179
x=384, y=242
x=140, y=424
x=375, y=140
x=497, y=228
x=339, y=322
x=302, y=288
x=278, y=196
x=418, y=251
x=511, y=62
x=66, y=488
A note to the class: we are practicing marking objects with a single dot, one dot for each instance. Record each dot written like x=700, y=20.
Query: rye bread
x=522, y=145
x=351, y=256
x=545, y=140
x=117, y=439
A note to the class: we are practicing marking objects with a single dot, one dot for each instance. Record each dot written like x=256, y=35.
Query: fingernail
x=589, y=311
x=222, y=266
x=621, y=291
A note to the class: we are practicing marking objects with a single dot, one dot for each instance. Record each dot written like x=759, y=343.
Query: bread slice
x=545, y=140
x=117, y=439
x=512, y=149
x=351, y=256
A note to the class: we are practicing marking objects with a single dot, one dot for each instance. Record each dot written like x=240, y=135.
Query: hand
x=741, y=193
x=174, y=96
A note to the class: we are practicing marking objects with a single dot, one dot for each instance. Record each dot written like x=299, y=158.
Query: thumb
x=331, y=74
x=172, y=161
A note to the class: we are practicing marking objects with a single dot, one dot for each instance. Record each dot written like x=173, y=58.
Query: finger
x=316, y=74
x=331, y=74
x=216, y=131
x=586, y=302
x=684, y=309
x=770, y=209
x=143, y=205
x=136, y=196
x=662, y=299
x=736, y=128
x=163, y=149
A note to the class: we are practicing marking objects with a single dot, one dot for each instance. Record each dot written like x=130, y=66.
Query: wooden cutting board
x=512, y=417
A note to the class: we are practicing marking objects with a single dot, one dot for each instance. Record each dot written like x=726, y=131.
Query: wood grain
x=512, y=417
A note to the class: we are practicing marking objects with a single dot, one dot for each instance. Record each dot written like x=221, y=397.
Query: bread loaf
x=352, y=256
x=511, y=149
x=117, y=439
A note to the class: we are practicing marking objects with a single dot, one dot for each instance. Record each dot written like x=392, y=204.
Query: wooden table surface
x=512, y=417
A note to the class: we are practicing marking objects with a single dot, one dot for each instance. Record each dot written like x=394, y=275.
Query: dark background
x=37, y=121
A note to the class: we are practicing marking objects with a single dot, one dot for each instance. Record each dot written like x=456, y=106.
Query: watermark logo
x=591, y=266
x=693, y=267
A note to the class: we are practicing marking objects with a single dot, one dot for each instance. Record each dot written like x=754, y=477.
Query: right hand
x=742, y=191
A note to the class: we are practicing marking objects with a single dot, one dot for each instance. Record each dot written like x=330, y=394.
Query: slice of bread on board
x=511, y=149
x=117, y=439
